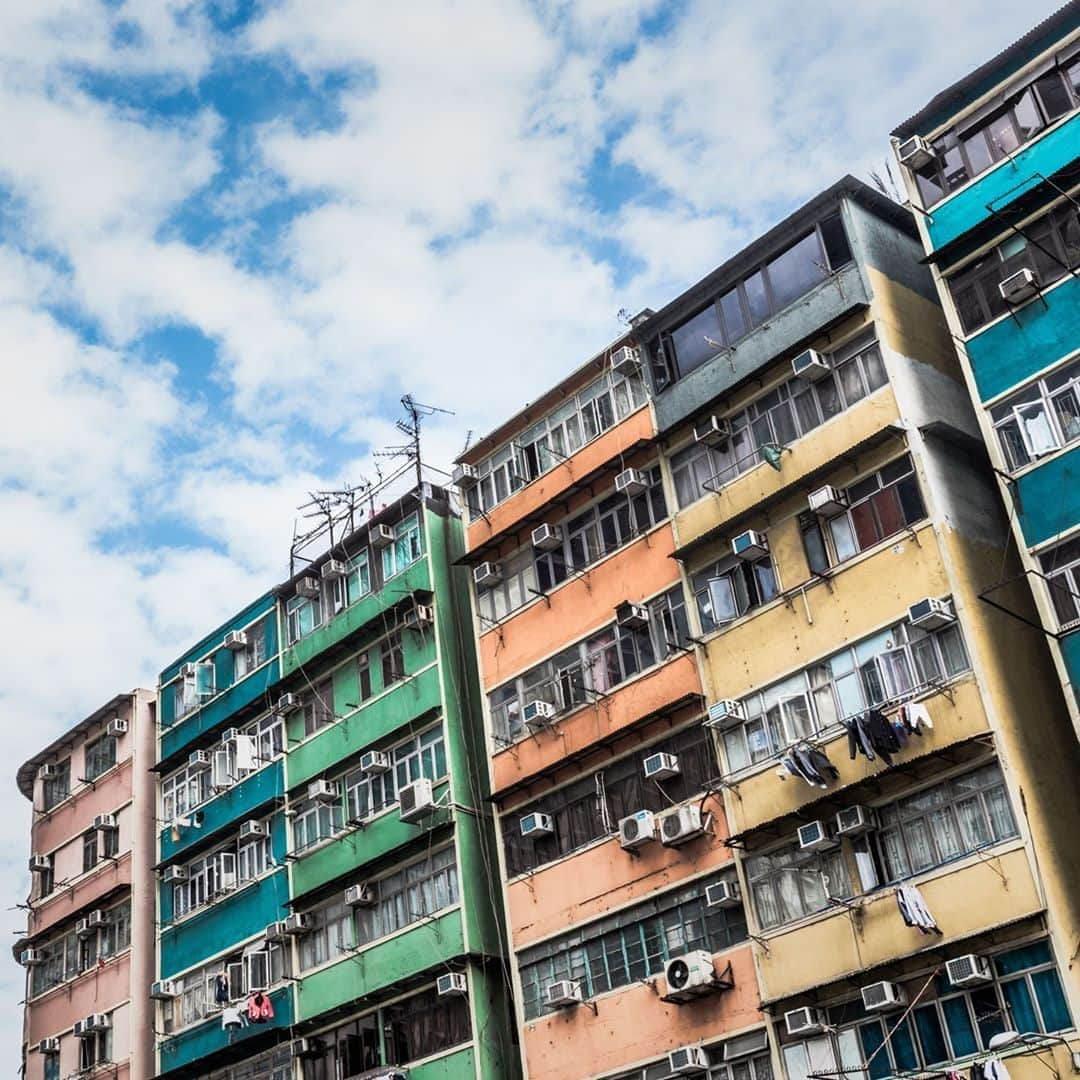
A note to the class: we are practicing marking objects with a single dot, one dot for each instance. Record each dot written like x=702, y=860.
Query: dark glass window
x=694, y=340
x=797, y=270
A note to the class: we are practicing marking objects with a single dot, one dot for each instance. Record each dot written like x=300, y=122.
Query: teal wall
x=1050, y=497
x=1070, y=650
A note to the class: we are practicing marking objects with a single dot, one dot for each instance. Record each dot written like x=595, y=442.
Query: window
x=318, y=707
x=330, y=936
x=392, y=658
x=1061, y=567
x=254, y=969
x=253, y=654
x=95, y=1050
x=55, y=789
x=726, y=1062
x=358, y=579
x=51, y=1067
x=790, y=884
x=100, y=755
x=887, y=667
x=363, y=672
x=731, y=587
x=208, y=878
x=303, y=614
x=779, y=417
x=406, y=548
x=518, y=585
x=315, y=821
x=1040, y=418
x=415, y=892
x=631, y=945
x=69, y=955
x=89, y=850
x=253, y=859
x=369, y=793
x=115, y=936
x=185, y=696
x=109, y=843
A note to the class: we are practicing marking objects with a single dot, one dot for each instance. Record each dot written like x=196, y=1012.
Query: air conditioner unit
x=230, y=734
x=723, y=713
x=803, y=1022
x=199, y=759
x=487, y=574
x=48, y=771
x=100, y=1021
x=537, y=825
x=750, y=545
x=374, y=761
x=712, y=431
x=416, y=618
x=828, y=501
x=296, y=923
x=631, y=482
x=362, y=895
x=625, y=361
x=40, y=864
x=275, y=931
x=464, y=477
x=915, y=153
x=1018, y=287
x=537, y=714
x=637, y=829
x=324, y=791
x=164, y=990
x=853, y=820
x=452, y=984
x=235, y=641
x=883, y=996
x=680, y=825
x=416, y=801
x=723, y=894
x=810, y=365
x=174, y=874
x=308, y=586
x=632, y=616
x=31, y=957
x=563, y=994
x=288, y=703
x=252, y=829
x=547, y=538
x=49, y=1046
x=81, y=1031
x=688, y=1061
x=188, y=670
x=333, y=569
x=106, y=822
x=661, y=766
x=690, y=976
x=303, y=1049
x=968, y=970
x=381, y=536
x=85, y=929
x=931, y=613
x=814, y=836
x=116, y=727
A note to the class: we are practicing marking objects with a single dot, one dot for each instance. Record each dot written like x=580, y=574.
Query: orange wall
x=74, y=816
x=638, y=571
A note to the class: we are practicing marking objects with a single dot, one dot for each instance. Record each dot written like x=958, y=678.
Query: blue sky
x=232, y=234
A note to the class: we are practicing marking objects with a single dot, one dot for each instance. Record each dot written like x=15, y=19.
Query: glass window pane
x=1053, y=95
x=978, y=152
x=1055, y=1012
x=734, y=319
x=1028, y=119
x=691, y=340
x=931, y=1037
x=796, y=271
x=958, y=1026
x=757, y=298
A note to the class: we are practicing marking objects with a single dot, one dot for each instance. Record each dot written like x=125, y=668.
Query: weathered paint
x=1049, y=497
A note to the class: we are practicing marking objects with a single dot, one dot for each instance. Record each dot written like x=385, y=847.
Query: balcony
x=1049, y=496
x=632, y=1024
x=842, y=944
x=236, y=917
x=623, y=706
x=354, y=618
x=997, y=187
x=382, y=967
x=374, y=720
x=240, y=802
x=347, y=852
x=210, y=1043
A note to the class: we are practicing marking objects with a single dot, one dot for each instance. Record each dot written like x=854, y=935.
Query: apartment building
x=88, y=947
x=992, y=168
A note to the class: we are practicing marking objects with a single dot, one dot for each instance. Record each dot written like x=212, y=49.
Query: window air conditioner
x=464, y=477
x=416, y=618
x=723, y=713
x=105, y=822
x=49, y=1046
x=275, y=931
x=374, y=761
x=235, y=641
x=750, y=545
x=97, y=1022
x=116, y=727
x=632, y=616
x=883, y=996
x=333, y=569
x=631, y=482
x=723, y=894
x=915, y=153
x=487, y=574
x=637, y=829
x=712, y=431
x=304, y=1049
x=81, y=1030
x=625, y=361
x=853, y=820
x=452, y=984
x=381, y=536
x=828, y=501
x=296, y=923
x=362, y=895
x=174, y=875
x=810, y=365
x=308, y=586
x=252, y=829
x=690, y=976
x=188, y=671
x=48, y=771
x=563, y=994
x=536, y=825
x=931, y=613
x=40, y=864
x=324, y=791
x=803, y=1022
x=164, y=990
x=31, y=957
x=688, y=1061
x=230, y=734
x=680, y=825
x=537, y=714
x=814, y=836
x=547, y=537
x=84, y=928
x=968, y=970
x=1018, y=287
x=199, y=759
x=288, y=703
x=661, y=766
x=416, y=801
